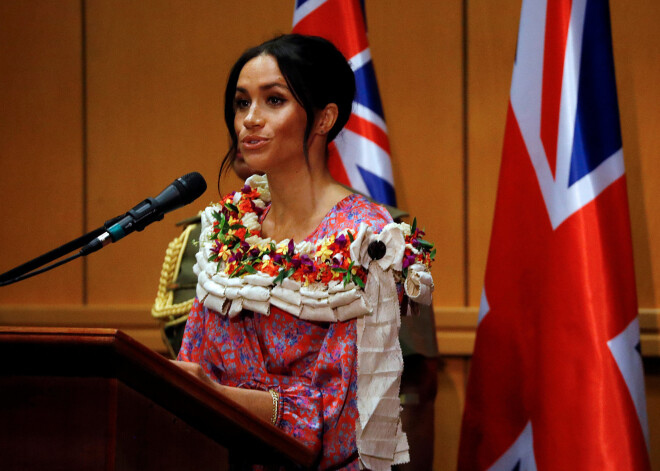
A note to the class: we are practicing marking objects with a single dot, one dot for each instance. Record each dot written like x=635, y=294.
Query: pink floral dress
x=313, y=365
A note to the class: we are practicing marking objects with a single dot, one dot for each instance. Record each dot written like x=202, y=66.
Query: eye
x=276, y=100
x=241, y=103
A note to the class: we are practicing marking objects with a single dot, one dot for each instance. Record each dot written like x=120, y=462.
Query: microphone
x=180, y=192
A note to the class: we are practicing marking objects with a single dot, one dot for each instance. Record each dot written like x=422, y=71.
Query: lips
x=254, y=142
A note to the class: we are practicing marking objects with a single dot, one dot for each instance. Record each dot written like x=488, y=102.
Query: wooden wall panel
x=636, y=39
x=417, y=52
x=449, y=403
x=156, y=75
x=491, y=42
x=652, y=387
x=41, y=155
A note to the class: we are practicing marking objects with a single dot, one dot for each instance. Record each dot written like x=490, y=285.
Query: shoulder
x=352, y=211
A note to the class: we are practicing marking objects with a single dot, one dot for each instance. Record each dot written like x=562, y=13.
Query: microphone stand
x=29, y=269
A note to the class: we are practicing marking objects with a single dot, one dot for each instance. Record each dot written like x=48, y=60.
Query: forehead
x=259, y=71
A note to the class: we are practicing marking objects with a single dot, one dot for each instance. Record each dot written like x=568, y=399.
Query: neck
x=300, y=199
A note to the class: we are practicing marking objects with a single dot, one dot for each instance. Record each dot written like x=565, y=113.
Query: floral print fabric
x=313, y=365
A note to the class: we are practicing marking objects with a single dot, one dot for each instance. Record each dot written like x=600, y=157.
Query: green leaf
x=432, y=254
x=414, y=226
x=339, y=270
x=231, y=207
x=350, y=236
x=250, y=269
x=236, y=226
x=283, y=274
x=425, y=243
x=358, y=281
x=280, y=277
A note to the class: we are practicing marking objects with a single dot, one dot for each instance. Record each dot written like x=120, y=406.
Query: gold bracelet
x=276, y=401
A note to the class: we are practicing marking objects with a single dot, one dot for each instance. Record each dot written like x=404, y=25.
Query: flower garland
x=238, y=248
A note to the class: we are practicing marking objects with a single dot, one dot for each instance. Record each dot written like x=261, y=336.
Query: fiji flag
x=360, y=155
x=556, y=381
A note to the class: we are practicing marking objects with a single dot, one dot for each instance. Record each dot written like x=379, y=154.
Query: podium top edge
x=76, y=334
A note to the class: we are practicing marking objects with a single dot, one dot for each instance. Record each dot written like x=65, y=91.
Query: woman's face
x=269, y=122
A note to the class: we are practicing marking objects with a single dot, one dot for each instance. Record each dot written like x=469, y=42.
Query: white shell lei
x=380, y=440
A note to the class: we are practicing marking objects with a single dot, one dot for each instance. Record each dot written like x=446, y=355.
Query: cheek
x=295, y=127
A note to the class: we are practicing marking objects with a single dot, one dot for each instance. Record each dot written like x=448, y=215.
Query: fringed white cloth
x=380, y=440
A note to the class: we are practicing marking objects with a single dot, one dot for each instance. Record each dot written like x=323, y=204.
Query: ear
x=326, y=118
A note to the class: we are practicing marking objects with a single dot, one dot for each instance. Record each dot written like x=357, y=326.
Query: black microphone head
x=193, y=186
x=180, y=192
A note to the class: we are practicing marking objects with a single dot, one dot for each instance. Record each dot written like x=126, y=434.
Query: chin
x=260, y=163
x=243, y=170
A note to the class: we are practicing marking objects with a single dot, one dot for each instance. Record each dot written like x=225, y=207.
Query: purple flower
x=307, y=263
x=341, y=241
x=246, y=189
x=237, y=257
x=254, y=252
x=408, y=260
x=304, y=258
x=277, y=258
x=291, y=247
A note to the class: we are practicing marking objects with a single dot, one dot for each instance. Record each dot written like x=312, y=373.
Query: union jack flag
x=360, y=154
x=556, y=381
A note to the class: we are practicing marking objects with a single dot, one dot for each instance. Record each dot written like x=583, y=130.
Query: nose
x=253, y=118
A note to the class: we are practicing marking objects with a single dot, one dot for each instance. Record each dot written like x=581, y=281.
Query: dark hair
x=316, y=73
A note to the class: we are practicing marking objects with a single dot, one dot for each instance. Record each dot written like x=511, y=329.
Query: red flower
x=231, y=268
x=267, y=267
x=240, y=233
x=245, y=206
x=326, y=275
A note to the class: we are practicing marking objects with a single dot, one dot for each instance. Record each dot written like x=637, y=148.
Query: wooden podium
x=95, y=399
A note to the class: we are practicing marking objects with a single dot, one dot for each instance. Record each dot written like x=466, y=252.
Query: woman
x=275, y=324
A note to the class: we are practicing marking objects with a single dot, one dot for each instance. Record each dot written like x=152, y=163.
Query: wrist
x=276, y=406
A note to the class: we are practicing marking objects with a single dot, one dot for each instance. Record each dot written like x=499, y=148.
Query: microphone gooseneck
x=180, y=192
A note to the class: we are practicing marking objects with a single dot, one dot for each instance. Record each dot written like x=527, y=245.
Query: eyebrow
x=266, y=86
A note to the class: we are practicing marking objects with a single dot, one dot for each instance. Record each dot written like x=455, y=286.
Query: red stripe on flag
x=339, y=21
x=370, y=131
x=336, y=166
x=558, y=16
